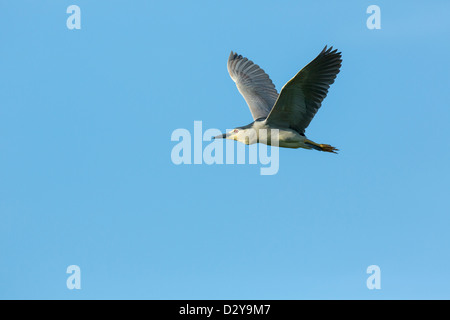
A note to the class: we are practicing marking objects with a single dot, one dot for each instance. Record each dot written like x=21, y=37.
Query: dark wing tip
x=234, y=56
x=330, y=52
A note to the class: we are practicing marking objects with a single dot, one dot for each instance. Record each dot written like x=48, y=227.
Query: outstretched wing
x=254, y=84
x=302, y=96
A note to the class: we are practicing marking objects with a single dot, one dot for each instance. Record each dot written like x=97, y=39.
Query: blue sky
x=86, y=176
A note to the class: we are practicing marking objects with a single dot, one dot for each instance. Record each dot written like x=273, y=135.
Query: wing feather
x=254, y=85
x=302, y=96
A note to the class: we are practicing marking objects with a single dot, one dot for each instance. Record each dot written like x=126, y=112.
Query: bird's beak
x=220, y=136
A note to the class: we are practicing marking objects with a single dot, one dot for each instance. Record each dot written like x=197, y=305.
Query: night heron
x=292, y=110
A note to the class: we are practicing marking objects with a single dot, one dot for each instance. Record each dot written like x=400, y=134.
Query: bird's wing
x=302, y=96
x=254, y=84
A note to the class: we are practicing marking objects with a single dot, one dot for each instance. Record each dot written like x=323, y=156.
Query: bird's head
x=244, y=135
x=231, y=135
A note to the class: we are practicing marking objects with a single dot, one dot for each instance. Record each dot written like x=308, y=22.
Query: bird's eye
x=235, y=130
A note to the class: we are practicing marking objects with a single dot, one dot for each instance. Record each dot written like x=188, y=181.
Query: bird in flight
x=292, y=110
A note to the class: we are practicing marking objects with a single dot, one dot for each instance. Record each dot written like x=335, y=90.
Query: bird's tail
x=321, y=147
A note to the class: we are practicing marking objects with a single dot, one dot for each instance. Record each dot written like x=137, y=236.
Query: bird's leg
x=321, y=147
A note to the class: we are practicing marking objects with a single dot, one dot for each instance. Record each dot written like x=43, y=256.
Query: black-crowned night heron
x=292, y=110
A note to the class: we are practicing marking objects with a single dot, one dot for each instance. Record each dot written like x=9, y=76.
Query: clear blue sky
x=86, y=176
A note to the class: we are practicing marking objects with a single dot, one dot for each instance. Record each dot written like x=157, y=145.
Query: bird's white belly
x=287, y=138
x=291, y=139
